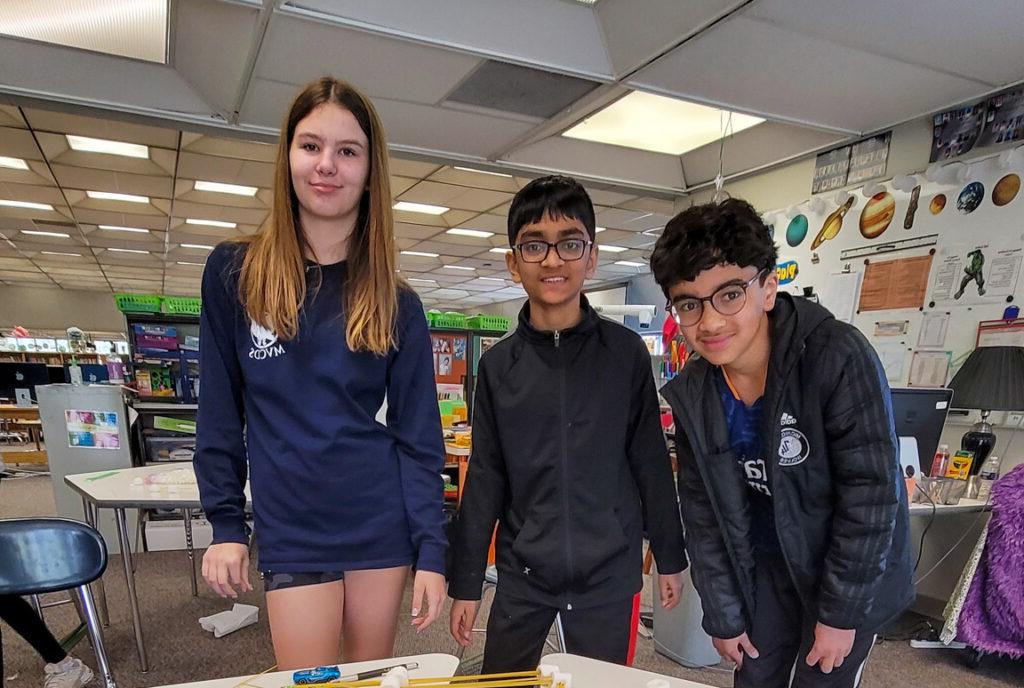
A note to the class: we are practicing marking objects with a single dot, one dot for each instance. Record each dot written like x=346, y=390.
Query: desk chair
x=50, y=554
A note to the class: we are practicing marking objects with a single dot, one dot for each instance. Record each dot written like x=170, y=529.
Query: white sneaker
x=69, y=673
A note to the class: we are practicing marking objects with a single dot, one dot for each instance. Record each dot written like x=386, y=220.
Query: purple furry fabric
x=992, y=619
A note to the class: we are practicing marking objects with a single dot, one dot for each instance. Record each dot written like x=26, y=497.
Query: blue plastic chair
x=40, y=555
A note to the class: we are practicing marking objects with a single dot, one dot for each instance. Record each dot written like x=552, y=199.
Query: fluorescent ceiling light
x=211, y=223
x=421, y=254
x=116, y=228
x=499, y=250
x=423, y=281
x=612, y=249
x=108, y=196
x=629, y=263
x=61, y=253
x=128, y=28
x=479, y=234
x=492, y=279
x=598, y=230
x=217, y=187
x=424, y=208
x=127, y=250
x=493, y=174
x=58, y=235
x=26, y=204
x=13, y=163
x=185, y=262
x=90, y=145
x=656, y=123
x=202, y=247
x=457, y=267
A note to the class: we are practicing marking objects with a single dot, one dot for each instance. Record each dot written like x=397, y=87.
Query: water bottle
x=941, y=462
x=988, y=475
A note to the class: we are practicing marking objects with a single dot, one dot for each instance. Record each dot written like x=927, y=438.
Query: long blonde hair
x=272, y=285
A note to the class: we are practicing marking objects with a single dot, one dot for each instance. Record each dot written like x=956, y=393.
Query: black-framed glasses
x=536, y=250
x=728, y=299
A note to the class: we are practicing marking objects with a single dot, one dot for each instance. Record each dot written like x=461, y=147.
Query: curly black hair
x=703, y=236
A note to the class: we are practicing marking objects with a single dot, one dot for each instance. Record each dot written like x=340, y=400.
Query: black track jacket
x=569, y=458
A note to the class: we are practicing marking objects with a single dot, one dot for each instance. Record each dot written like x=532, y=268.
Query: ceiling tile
x=375, y=64
x=18, y=143
x=63, y=123
x=10, y=116
x=212, y=168
x=229, y=148
x=414, y=169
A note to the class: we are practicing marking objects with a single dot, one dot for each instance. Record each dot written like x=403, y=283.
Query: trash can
x=678, y=634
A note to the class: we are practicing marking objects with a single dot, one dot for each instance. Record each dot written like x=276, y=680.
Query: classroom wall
x=45, y=308
x=953, y=231
x=785, y=192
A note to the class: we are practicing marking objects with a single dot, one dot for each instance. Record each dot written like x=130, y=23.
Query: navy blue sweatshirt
x=332, y=488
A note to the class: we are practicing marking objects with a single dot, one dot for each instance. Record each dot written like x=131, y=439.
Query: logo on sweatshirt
x=794, y=447
x=787, y=419
x=264, y=343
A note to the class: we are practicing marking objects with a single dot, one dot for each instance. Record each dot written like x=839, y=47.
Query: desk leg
x=187, y=513
x=99, y=590
x=126, y=558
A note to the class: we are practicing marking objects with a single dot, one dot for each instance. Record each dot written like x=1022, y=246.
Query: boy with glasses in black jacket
x=568, y=457
x=789, y=478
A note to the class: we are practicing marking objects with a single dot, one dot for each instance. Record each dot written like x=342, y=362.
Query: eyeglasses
x=536, y=251
x=729, y=299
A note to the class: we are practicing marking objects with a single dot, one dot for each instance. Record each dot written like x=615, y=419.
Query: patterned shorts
x=280, y=581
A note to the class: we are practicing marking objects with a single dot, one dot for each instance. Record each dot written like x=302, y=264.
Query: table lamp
x=991, y=379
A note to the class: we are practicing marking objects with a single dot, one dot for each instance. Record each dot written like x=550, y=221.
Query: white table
x=433, y=665
x=591, y=673
x=115, y=489
x=963, y=506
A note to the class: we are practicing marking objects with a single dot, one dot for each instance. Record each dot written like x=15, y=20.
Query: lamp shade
x=991, y=379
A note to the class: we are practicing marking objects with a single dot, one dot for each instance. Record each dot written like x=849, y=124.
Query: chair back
x=39, y=555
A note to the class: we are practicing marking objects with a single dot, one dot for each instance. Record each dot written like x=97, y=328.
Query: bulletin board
x=926, y=274
x=449, y=351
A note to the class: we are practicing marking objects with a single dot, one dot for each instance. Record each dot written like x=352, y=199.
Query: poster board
x=892, y=284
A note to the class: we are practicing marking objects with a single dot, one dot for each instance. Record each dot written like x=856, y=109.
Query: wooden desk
x=23, y=417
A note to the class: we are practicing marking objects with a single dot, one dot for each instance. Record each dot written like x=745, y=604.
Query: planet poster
x=937, y=204
x=970, y=198
x=1006, y=189
x=796, y=232
x=877, y=214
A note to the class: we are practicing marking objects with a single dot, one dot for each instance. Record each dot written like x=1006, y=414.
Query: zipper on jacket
x=565, y=468
x=770, y=465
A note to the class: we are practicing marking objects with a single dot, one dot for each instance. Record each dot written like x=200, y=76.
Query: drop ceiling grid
x=61, y=176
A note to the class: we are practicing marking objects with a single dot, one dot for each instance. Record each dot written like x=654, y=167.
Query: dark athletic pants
x=20, y=616
x=783, y=636
x=517, y=629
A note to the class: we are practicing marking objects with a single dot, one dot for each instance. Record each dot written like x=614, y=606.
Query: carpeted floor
x=180, y=651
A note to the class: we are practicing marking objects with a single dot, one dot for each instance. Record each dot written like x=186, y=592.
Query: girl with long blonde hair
x=305, y=329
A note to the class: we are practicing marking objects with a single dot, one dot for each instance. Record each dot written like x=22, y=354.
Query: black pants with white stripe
x=783, y=635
